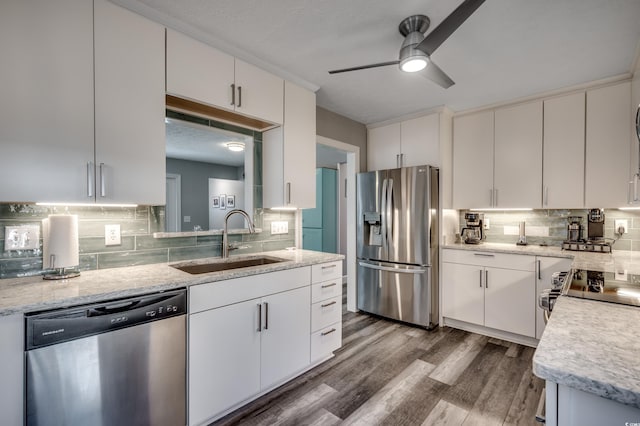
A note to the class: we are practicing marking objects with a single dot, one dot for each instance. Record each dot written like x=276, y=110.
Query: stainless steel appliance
x=397, y=244
x=595, y=242
x=472, y=232
x=114, y=363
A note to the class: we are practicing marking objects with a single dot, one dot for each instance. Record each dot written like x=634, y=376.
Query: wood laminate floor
x=388, y=373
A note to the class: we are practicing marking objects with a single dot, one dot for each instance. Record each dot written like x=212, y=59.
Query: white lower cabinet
x=490, y=289
x=224, y=359
x=326, y=309
x=246, y=335
x=285, y=335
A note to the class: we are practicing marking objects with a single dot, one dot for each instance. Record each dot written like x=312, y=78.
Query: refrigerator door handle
x=389, y=212
x=409, y=270
x=383, y=209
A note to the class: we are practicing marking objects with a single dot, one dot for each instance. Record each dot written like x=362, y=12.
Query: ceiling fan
x=416, y=50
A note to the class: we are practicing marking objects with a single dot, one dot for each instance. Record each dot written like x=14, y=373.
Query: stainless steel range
x=610, y=287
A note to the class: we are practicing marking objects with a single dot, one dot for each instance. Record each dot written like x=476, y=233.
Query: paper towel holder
x=61, y=273
x=60, y=247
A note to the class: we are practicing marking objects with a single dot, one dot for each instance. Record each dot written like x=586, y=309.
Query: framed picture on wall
x=231, y=201
x=223, y=201
x=215, y=202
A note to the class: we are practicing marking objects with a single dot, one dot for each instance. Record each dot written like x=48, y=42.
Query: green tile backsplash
x=556, y=221
x=137, y=225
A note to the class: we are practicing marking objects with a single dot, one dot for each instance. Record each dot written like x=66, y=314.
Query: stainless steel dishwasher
x=115, y=363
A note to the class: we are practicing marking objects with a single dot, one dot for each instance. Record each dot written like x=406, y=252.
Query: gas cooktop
x=612, y=287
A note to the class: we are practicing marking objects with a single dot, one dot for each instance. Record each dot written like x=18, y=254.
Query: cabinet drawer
x=326, y=271
x=520, y=262
x=325, y=313
x=325, y=341
x=326, y=290
x=222, y=293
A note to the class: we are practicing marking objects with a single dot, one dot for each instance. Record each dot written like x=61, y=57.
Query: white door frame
x=353, y=167
x=174, y=196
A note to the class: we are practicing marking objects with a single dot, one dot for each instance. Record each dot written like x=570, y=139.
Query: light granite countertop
x=594, y=347
x=30, y=294
x=617, y=261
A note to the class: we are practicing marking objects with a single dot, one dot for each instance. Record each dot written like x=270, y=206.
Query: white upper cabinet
x=198, y=72
x=420, y=141
x=259, y=93
x=413, y=142
x=130, y=145
x=46, y=100
x=383, y=147
x=473, y=160
x=563, y=163
x=289, y=153
x=607, y=135
x=518, y=156
x=51, y=94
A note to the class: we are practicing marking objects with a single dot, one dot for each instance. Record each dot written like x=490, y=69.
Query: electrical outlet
x=112, y=235
x=620, y=226
x=486, y=224
x=279, y=228
x=23, y=237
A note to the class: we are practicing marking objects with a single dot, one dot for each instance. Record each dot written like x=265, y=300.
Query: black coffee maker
x=472, y=233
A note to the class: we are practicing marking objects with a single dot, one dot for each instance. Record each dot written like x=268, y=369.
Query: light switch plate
x=112, y=235
x=279, y=228
x=21, y=237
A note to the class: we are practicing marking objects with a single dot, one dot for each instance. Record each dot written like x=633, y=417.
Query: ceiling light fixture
x=235, y=146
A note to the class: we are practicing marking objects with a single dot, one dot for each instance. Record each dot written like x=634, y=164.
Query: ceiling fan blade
x=435, y=74
x=364, y=67
x=451, y=23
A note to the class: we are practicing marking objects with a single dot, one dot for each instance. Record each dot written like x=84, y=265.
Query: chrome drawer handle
x=328, y=332
x=483, y=254
x=329, y=266
x=328, y=304
x=329, y=285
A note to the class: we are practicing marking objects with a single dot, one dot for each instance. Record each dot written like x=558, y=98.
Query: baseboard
x=491, y=332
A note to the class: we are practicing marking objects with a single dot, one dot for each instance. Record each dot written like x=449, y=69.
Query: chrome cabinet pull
x=90, y=178
x=233, y=94
x=328, y=332
x=491, y=197
x=496, y=198
x=288, y=192
x=239, y=96
x=546, y=195
x=539, y=269
x=635, y=187
x=259, y=317
x=328, y=285
x=480, y=277
x=484, y=254
x=486, y=279
x=401, y=159
x=397, y=160
x=329, y=266
x=266, y=315
x=328, y=304
x=103, y=189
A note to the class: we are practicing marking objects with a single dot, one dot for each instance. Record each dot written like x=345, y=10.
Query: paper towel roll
x=60, y=241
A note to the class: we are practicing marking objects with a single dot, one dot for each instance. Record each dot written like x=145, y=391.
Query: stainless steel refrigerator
x=397, y=245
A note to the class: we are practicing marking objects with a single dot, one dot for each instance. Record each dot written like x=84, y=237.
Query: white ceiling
x=507, y=49
x=196, y=142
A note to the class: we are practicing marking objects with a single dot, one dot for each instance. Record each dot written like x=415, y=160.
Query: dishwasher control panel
x=60, y=325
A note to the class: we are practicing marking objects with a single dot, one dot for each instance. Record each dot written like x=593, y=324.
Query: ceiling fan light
x=413, y=64
x=235, y=146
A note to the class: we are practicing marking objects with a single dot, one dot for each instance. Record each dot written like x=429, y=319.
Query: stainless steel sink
x=227, y=264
